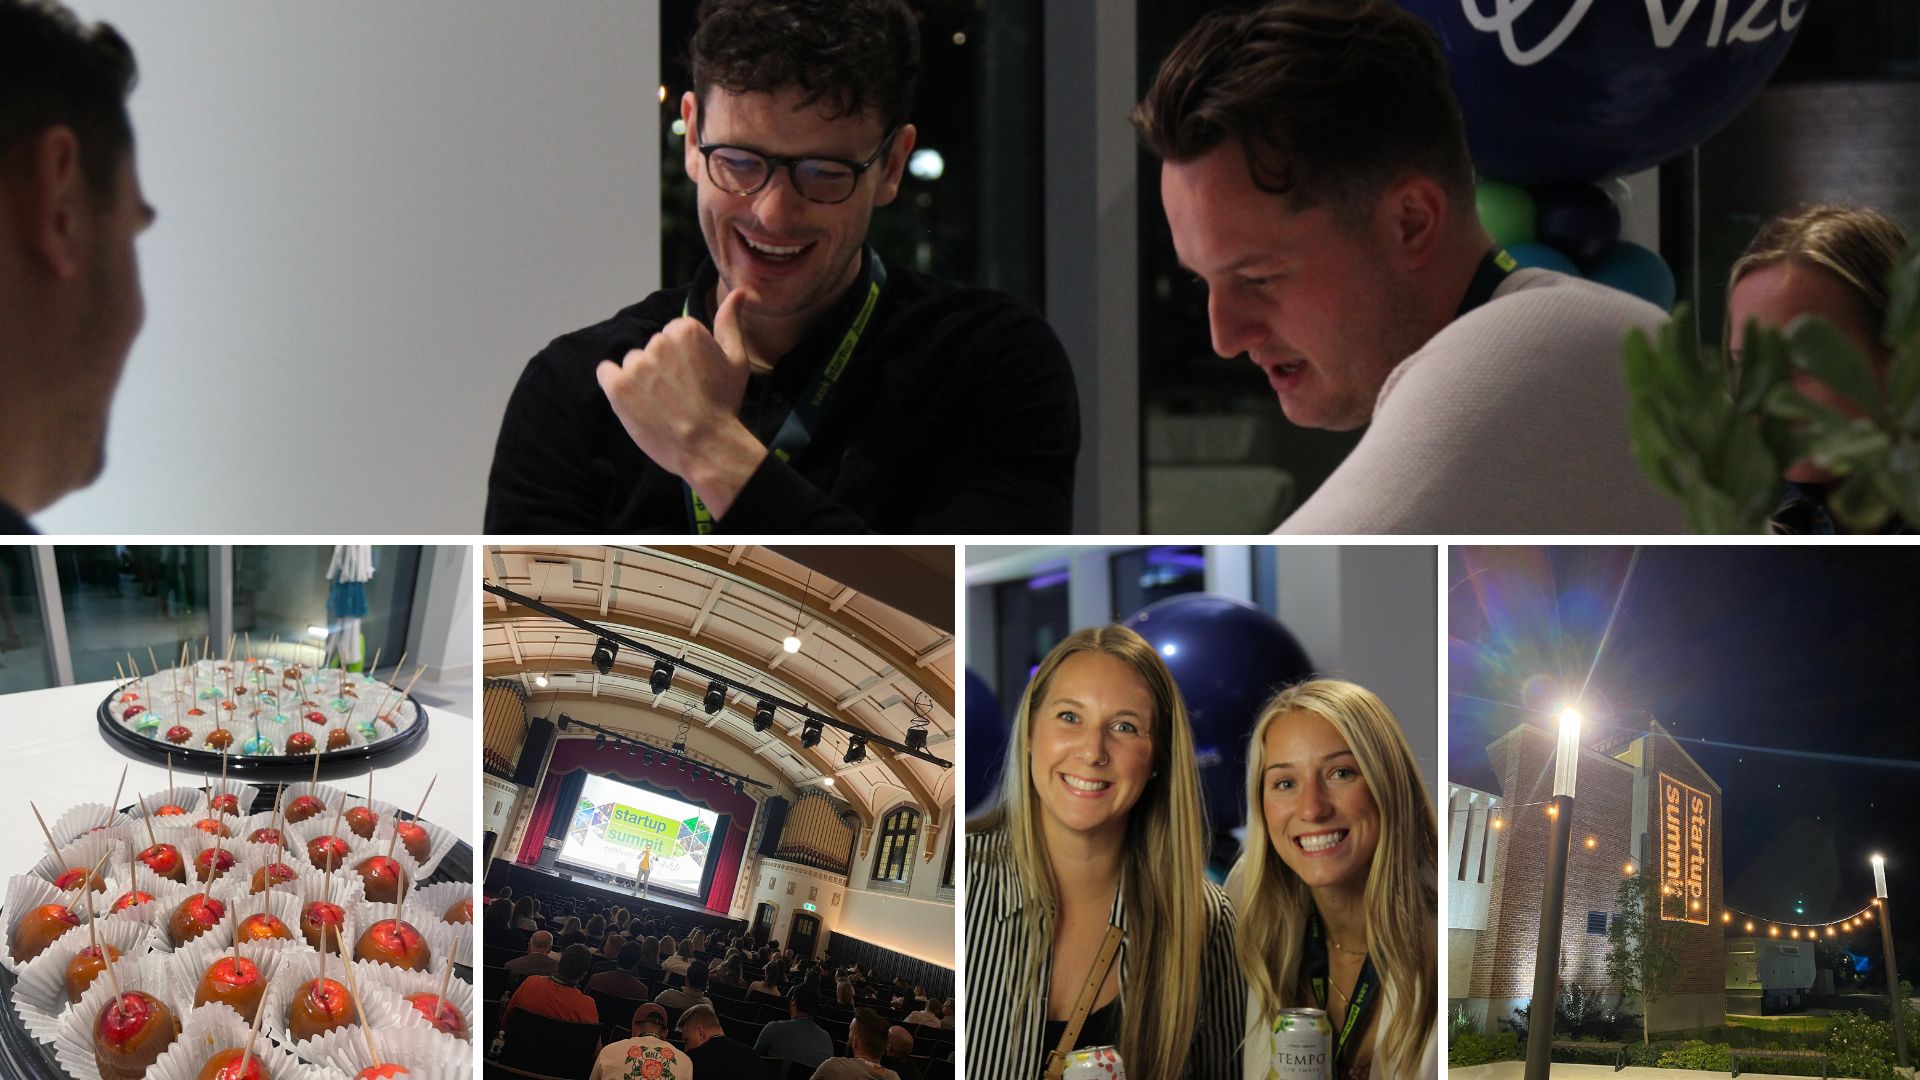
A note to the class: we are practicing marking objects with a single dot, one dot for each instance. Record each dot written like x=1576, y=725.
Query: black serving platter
x=274, y=766
x=21, y=1055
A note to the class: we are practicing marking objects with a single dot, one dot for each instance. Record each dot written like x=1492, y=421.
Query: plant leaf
x=1824, y=353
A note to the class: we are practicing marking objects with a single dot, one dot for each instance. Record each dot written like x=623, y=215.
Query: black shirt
x=723, y=1057
x=957, y=414
x=12, y=524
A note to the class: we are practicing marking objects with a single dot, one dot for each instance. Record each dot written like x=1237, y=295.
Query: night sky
x=1791, y=674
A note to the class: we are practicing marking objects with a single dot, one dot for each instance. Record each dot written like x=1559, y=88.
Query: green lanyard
x=796, y=431
x=1365, y=988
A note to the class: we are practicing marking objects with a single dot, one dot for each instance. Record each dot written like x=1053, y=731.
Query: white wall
x=922, y=929
x=443, y=612
x=371, y=215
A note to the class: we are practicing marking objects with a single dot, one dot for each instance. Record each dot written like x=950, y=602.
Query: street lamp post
x=1553, y=897
x=1897, y=1006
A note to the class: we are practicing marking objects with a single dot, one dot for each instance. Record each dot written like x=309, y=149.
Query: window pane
x=281, y=589
x=122, y=600
x=24, y=662
x=1033, y=617
x=1141, y=577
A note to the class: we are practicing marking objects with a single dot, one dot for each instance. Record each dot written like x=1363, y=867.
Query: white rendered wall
x=371, y=215
x=443, y=612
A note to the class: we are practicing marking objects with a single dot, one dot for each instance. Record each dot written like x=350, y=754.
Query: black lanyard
x=1365, y=988
x=1494, y=267
x=796, y=431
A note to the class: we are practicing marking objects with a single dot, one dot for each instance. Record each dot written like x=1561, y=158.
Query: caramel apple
x=212, y=827
x=75, y=877
x=234, y=980
x=133, y=711
x=170, y=810
x=267, y=836
x=131, y=1034
x=319, y=1007
x=164, y=860
x=132, y=898
x=304, y=807
x=325, y=851
x=361, y=821
x=439, y=1012
x=460, y=912
x=383, y=877
x=225, y=803
x=381, y=1072
x=393, y=941
x=178, y=734
x=314, y=717
x=272, y=874
x=195, y=916
x=416, y=839
x=40, y=928
x=262, y=926
x=300, y=743
x=212, y=864
x=219, y=739
x=226, y=1065
x=337, y=738
x=86, y=966
x=321, y=914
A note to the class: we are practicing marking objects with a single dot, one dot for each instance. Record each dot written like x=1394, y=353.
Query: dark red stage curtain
x=575, y=754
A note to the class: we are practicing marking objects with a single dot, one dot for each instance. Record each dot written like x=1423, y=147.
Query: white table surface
x=53, y=753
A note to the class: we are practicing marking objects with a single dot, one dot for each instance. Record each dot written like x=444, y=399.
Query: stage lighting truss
x=662, y=676
x=763, y=715
x=856, y=751
x=603, y=654
x=810, y=734
x=716, y=696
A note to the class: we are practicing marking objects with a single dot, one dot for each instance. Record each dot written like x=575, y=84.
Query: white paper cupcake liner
x=186, y=967
x=197, y=842
x=244, y=791
x=328, y=794
x=167, y=895
x=440, y=841
x=438, y=936
x=426, y=1054
x=80, y=820
x=26, y=892
x=222, y=930
x=434, y=900
x=266, y=819
x=307, y=831
x=73, y=1039
x=261, y=856
x=40, y=997
x=84, y=853
x=186, y=798
x=378, y=1003
x=405, y=984
x=210, y=1029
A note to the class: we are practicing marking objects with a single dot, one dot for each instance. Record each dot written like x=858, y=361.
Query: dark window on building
x=1145, y=575
x=896, y=846
x=1596, y=922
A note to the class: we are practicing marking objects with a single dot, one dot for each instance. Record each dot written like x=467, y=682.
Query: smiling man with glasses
x=799, y=383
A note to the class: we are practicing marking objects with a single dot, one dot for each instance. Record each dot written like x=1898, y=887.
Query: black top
x=12, y=524
x=957, y=414
x=1102, y=1028
x=723, y=1057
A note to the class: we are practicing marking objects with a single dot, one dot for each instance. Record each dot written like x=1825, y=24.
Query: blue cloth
x=347, y=600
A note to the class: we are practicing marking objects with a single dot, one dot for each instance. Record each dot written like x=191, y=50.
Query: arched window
x=897, y=833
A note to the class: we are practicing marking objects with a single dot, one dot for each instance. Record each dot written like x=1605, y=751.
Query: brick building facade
x=1643, y=803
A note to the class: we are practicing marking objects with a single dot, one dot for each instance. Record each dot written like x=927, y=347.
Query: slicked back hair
x=847, y=56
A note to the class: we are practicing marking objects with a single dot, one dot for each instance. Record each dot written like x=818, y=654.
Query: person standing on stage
x=645, y=878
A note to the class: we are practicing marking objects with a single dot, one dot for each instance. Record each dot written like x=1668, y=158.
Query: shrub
x=1473, y=1048
x=1860, y=1047
x=1694, y=1054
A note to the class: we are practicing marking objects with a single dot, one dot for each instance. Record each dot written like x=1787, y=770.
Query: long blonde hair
x=1857, y=245
x=1165, y=873
x=1401, y=903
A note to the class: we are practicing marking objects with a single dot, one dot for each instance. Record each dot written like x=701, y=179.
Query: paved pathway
x=1514, y=1070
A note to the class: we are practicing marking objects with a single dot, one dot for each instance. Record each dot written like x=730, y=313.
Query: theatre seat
x=541, y=1045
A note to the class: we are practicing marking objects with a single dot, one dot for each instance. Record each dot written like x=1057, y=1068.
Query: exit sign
x=808, y=907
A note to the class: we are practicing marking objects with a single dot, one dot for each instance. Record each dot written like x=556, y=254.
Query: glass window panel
x=1144, y=575
x=122, y=600
x=280, y=590
x=1033, y=617
x=24, y=661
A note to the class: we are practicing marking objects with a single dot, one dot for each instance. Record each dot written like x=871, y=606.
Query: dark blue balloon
x=987, y=733
x=1573, y=91
x=1227, y=657
x=1636, y=270
x=1578, y=220
x=1543, y=257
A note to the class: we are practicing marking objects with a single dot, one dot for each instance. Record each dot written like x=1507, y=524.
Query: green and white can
x=1302, y=1046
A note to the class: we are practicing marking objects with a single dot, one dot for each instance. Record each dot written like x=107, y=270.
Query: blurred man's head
x=70, y=208
x=650, y=1019
x=802, y=1001
x=899, y=1042
x=575, y=963
x=540, y=944
x=698, y=1024
x=867, y=1034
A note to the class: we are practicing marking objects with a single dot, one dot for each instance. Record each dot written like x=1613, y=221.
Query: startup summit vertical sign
x=1685, y=817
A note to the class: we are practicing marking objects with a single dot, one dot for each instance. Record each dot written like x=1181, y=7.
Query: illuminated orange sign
x=1684, y=820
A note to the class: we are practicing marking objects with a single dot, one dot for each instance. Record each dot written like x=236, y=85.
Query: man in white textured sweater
x=1316, y=177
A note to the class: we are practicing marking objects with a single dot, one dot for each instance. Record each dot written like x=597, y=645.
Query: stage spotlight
x=680, y=743
x=632, y=749
x=810, y=735
x=763, y=716
x=917, y=739
x=603, y=655
x=699, y=774
x=646, y=758
x=662, y=676
x=680, y=766
x=739, y=788
x=599, y=738
x=716, y=696
x=856, y=750
x=565, y=722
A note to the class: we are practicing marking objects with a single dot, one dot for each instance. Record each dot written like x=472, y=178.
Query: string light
x=1591, y=842
x=1749, y=926
x=1627, y=869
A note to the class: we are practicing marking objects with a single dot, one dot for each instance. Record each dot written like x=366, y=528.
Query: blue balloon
x=1544, y=257
x=1573, y=91
x=1228, y=658
x=1633, y=269
x=986, y=743
x=1579, y=220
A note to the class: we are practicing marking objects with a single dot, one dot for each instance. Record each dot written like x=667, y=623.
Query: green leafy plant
x=1719, y=439
x=1473, y=1048
x=1694, y=1054
x=1643, y=957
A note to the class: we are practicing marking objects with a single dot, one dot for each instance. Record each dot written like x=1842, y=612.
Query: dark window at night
x=1148, y=574
x=896, y=846
x=1033, y=619
x=1596, y=922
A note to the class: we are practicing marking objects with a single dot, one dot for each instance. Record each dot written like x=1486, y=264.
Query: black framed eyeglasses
x=738, y=170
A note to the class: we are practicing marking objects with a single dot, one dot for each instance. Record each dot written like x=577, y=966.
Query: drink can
x=1302, y=1045
x=1095, y=1063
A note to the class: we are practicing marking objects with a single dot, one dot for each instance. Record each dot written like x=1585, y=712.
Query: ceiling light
x=603, y=654
x=716, y=696
x=662, y=676
x=827, y=780
x=763, y=716
x=856, y=750
x=539, y=680
x=810, y=735
x=791, y=644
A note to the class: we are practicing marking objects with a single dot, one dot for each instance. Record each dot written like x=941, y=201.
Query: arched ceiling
x=727, y=609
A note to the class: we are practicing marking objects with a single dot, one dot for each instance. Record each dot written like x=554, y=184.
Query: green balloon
x=1506, y=211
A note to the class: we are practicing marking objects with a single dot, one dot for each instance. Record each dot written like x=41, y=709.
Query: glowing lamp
x=1879, y=877
x=1566, y=765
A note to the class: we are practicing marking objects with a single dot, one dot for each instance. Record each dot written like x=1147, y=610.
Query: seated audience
x=558, y=995
x=647, y=1054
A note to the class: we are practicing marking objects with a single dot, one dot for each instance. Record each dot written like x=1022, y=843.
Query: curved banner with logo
x=1574, y=91
x=614, y=822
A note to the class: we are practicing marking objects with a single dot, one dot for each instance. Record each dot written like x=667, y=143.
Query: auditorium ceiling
x=863, y=658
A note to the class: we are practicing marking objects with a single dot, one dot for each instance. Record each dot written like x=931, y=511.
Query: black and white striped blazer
x=1005, y=1016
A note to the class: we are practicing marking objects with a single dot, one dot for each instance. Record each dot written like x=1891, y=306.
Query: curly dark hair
x=1331, y=99
x=850, y=55
x=58, y=72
